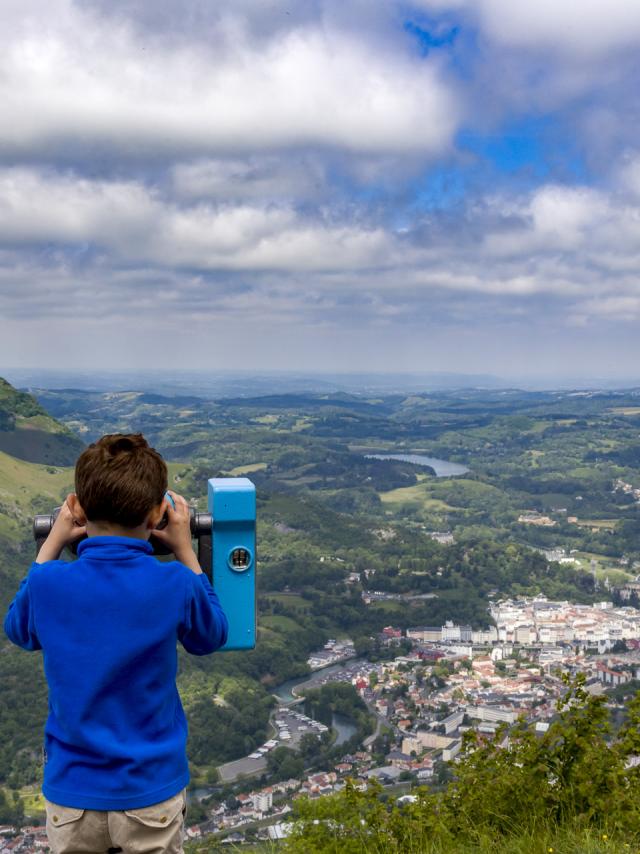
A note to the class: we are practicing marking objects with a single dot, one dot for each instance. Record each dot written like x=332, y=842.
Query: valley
x=354, y=534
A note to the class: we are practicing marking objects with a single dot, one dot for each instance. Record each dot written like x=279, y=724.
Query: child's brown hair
x=120, y=479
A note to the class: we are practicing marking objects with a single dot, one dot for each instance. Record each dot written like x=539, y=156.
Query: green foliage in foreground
x=569, y=790
x=558, y=842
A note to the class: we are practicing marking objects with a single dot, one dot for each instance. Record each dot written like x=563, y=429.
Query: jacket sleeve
x=19, y=624
x=204, y=628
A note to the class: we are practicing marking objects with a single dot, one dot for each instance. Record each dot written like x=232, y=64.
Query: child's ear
x=79, y=516
x=155, y=515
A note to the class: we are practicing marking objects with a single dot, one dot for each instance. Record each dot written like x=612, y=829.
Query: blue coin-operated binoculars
x=226, y=539
x=232, y=505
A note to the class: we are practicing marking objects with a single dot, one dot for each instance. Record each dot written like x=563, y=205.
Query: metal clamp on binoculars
x=226, y=538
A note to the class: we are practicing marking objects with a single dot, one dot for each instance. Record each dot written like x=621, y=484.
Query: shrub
x=514, y=789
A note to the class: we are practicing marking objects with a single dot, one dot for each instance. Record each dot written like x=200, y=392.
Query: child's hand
x=65, y=530
x=177, y=534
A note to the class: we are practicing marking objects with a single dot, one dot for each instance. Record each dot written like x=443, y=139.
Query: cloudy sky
x=334, y=185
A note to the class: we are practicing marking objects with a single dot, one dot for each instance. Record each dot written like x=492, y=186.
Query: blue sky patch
x=428, y=39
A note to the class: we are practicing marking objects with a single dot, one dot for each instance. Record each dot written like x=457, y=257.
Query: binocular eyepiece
x=201, y=526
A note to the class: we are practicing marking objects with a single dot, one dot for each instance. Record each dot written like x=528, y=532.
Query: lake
x=442, y=468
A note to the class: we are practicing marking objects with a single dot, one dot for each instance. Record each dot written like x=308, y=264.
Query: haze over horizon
x=411, y=187
x=260, y=385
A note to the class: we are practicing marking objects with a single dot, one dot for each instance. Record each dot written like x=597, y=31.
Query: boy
x=115, y=763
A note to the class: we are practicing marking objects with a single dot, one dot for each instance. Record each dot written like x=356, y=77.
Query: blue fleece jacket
x=107, y=625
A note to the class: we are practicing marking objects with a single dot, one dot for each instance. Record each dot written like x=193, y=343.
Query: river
x=284, y=692
x=343, y=726
x=442, y=468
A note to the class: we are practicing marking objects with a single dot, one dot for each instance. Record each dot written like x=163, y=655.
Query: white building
x=262, y=801
x=481, y=636
x=451, y=632
x=451, y=752
x=453, y=721
x=492, y=714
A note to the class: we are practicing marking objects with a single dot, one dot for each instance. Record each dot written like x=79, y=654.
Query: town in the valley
x=437, y=683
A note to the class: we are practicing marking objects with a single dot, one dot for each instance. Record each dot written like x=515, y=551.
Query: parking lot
x=290, y=725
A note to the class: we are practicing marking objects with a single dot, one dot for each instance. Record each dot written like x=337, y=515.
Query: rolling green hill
x=35, y=474
x=29, y=433
x=36, y=454
x=26, y=489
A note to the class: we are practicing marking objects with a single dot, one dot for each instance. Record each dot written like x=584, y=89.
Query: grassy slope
x=35, y=456
x=28, y=488
x=28, y=432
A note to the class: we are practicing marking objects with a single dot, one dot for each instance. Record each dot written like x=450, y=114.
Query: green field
x=418, y=494
x=301, y=424
x=605, y=568
x=33, y=801
x=27, y=489
x=239, y=471
x=601, y=524
x=291, y=600
x=626, y=410
x=391, y=607
x=279, y=623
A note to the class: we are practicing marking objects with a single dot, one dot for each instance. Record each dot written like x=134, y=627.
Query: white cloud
x=569, y=242
x=135, y=223
x=71, y=77
x=231, y=161
x=577, y=27
x=627, y=174
x=618, y=308
x=127, y=264
x=566, y=212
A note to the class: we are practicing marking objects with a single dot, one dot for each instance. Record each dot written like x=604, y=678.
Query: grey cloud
x=134, y=223
x=297, y=177
x=203, y=21
x=573, y=244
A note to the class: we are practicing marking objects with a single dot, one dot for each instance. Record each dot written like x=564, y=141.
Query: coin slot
x=239, y=559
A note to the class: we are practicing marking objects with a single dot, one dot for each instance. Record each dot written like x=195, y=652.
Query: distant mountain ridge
x=29, y=433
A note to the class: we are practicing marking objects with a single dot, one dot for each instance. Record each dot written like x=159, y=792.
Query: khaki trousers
x=157, y=829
